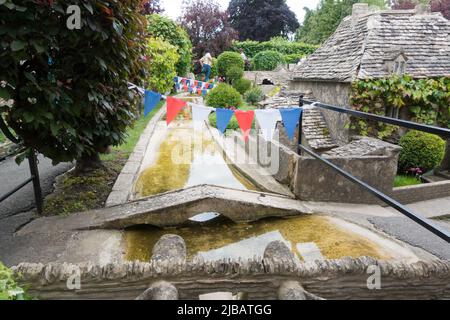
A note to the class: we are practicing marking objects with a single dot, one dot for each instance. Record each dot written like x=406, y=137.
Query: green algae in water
x=186, y=159
x=225, y=239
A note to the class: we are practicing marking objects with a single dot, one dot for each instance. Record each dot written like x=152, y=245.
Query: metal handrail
x=438, y=231
x=443, y=234
x=34, y=172
x=398, y=122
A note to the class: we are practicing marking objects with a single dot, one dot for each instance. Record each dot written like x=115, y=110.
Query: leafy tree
x=261, y=20
x=168, y=30
x=320, y=23
x=442, y=6
x=162, y=58
x=69, y=92
x=208, y=26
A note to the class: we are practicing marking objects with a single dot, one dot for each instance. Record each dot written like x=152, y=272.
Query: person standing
x=206, y=63
x=244, y=57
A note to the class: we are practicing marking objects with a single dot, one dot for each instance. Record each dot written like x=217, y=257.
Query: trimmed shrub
x=227, y=60
x=254, y=95
x=267, y=60
x=234, y=73
x=162, y=58
x=421, y=150
x=293, y=58
x=242, y=85
x=224, y=96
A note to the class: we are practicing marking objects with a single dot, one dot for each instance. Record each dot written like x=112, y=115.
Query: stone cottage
x=374, y=44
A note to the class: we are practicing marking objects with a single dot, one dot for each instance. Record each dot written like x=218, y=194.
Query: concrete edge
x=121, y=191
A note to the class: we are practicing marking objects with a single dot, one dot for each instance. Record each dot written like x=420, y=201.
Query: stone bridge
x=175, y=208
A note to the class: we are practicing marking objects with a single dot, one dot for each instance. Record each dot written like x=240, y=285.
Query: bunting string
x=266, y=118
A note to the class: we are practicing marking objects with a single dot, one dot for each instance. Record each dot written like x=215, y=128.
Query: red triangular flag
x=199, y=91
x=206, y=85
x=245, y=120
x=195, y=83
x=174, y=107
x=185, y=88
x=183, y=81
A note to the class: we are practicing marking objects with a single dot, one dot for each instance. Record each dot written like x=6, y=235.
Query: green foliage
x=214, y=69
x=293, y=58
x=224, y=96
x=279, y=44
x=242, y=85
x=403, y=181
x=78, y=104
x=9, y=289
x=267, y=60
x=162, y=59
x=234, y=73
x=421, y=150
x=227, y=60
x=233, y=125
x=254, y=95
x=320, y=23
x=2, y=137
x=168, y=30
x=427, y=100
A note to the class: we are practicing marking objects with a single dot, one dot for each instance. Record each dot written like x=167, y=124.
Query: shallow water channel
x=187, y=158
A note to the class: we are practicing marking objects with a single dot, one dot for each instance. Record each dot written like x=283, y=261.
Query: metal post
x=32, y=160
x=300, y=123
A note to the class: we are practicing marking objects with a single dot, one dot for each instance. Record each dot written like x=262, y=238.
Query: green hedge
x=421, y=150
x=224, y=96
x=283, y=46
x=293, y=58
x=227, y=60
x=267, y=60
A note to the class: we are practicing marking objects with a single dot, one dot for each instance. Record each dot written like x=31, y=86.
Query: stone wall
x=335, y=93
x=422, y=192
x=258, y=278
x=371, y=160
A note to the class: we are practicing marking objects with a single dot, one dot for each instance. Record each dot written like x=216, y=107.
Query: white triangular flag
x=267, y=120
x=200, y=115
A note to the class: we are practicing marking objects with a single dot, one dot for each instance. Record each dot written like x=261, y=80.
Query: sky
x=173, y=7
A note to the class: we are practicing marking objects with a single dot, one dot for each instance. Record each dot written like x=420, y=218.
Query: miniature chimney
x=359, y=9
x=422, y=8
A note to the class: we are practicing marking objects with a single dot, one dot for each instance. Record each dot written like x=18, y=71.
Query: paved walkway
x=17, y=210
x=11, y=175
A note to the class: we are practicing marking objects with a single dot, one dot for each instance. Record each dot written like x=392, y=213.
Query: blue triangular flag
x=204, y=92
x=188, y=82
x=151, y=101
x=175, y=79
x=223, y=119
x=211, y=86
x=291, y=118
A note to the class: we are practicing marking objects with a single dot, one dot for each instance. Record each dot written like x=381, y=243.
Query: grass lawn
x=403, y=181
x=90, y=191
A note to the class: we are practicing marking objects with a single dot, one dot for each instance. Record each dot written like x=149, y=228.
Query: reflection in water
x=187, y=158
x=225, y=239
